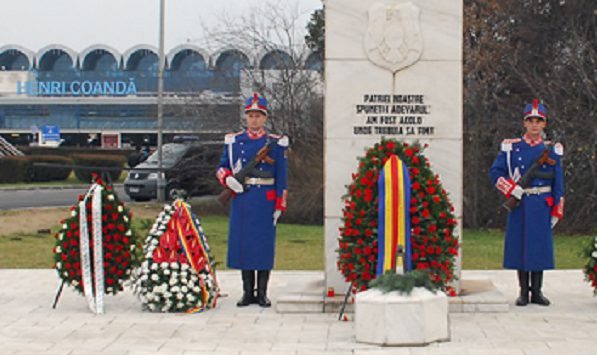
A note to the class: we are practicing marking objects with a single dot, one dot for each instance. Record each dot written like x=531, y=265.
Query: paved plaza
x=28, y=325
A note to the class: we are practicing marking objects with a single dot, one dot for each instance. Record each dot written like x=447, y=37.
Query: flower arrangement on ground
x=95, y=248
x=177, y=274
x=433, y=241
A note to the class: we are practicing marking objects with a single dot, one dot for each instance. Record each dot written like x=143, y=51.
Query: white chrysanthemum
x=120, y=209
x=64, y=226
x=179, y=305
x=74, y=283
x=58, y=249
x=164, y=265
x=125, y=218
x=172, y=282
x=144, y=278
x=154, y=266
x=65, y=274
x=167, y=295
x=594, y=254
x=166, y=272
x=196, y=289
x=73, y=213
x=151, y=306
x=174, y=289
x=132, y=247
x=59, y=265
x=174, y=265
x=184, y=289
x=179, y=296
x=190, y=297
x=109, y=289
x=155, y=277
x=191, y=284
x=184, y=267
x=183, y=280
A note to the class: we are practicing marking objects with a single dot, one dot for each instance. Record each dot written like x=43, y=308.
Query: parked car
x=190, y=171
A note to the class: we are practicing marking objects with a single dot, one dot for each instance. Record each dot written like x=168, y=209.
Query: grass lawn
x=483, y=250
x=298, y=247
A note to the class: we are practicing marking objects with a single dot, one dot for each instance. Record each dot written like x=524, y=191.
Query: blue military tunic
x=529, y=240
x=251, y=238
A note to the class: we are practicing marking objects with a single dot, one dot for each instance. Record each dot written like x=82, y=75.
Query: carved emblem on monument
x=393, y=40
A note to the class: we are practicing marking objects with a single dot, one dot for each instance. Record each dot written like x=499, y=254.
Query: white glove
x=234, y=185
x=517, y=192
x=277, y=214
x=554, y=221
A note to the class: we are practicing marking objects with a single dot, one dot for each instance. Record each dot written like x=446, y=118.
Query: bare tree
x=275, y=38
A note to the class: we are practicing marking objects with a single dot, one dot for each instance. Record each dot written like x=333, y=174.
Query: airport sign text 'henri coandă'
x=77, y=88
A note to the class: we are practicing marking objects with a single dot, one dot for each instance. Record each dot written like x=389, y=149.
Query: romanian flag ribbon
x=195, y=249
x=394, y=217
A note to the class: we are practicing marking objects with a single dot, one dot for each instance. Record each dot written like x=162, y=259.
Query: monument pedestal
x=477, y=296
x=397, y=319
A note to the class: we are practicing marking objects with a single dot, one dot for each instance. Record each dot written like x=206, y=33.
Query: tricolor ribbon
x=394, y=217
x=186, y=225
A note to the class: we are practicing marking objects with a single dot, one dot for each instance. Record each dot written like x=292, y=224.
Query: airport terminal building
x=100, y=90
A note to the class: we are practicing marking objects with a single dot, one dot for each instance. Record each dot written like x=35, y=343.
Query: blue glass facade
x=189, y=71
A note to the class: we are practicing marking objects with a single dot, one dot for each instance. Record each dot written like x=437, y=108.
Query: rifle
x=525, y=181
x=261, y=155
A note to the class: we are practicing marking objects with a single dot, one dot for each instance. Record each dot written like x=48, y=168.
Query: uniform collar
x=532, y=142
x=256, y=135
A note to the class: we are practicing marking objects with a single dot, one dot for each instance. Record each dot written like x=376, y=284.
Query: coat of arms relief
x=393, y=40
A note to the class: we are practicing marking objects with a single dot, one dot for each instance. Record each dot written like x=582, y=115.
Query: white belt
x=259, y=181
x=537, y=190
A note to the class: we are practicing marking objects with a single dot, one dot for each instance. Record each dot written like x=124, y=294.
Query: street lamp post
x=160, y=182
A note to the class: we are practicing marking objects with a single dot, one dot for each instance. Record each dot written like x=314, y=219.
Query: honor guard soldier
x=528, y=171
x=253, y=167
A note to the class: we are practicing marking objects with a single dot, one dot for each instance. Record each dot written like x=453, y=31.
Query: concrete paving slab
x=28, y=325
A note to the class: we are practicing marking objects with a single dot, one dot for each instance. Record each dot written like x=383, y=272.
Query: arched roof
x=126, y=56
x=71, y=53
x=26, y=52
x=218, y=55
x=282, y=52
x=89, y=50
x=313, y=60
x=180, y=48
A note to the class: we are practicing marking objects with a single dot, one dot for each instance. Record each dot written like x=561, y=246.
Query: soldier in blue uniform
x=529, y=241
x=259, y=199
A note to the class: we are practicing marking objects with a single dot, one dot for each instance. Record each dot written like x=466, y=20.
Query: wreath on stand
x=434, y=244
x=95, y=248
x=178, y=273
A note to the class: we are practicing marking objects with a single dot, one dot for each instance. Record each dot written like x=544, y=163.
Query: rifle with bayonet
x=525, y=181
x=240, y=176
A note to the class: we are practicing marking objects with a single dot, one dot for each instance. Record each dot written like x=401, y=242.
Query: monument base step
x=476, y=296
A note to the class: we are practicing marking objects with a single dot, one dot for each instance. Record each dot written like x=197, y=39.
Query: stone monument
x=393, y=69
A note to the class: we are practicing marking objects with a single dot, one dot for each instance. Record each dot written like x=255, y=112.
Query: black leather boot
x=262, y=279
x=536, y=284
x=523, y=282
x=248, y=288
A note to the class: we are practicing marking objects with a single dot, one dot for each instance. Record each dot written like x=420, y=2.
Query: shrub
x=46, y=173
x=95, y=163
x=14, y=169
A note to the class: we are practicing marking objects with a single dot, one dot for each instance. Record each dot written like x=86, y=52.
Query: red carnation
x=416, y=220
x=416, y=160
x=391, y=145
x=431, y=190
x=110, y=281
x=416, y=186
x=408, y=152
x=425, y=213
x=436, y=199
x=432, y=228
x=416, y=231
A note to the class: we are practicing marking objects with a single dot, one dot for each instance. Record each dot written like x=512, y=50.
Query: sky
x=122, y=24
